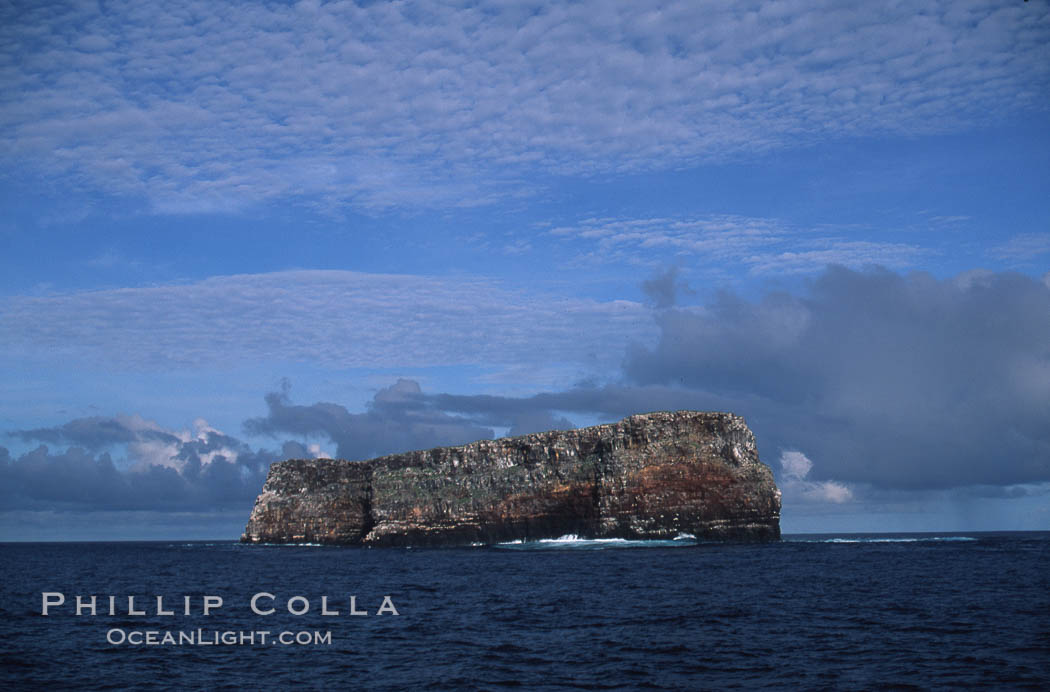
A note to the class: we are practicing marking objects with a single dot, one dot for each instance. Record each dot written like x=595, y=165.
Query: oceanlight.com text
x=202, y=637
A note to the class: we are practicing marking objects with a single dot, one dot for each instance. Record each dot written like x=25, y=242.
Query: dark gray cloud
x=402, y=417
x=663, y=289
x=94, y=432
x=886, y=380
x=897, y=381
x=538, y=421
x=607, y=401
x=398, y=419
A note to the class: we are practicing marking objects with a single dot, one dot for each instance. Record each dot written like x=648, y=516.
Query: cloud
x=663, y=289
x=538, y=421
x=397, y=420
x=796, y=466
x=216, y=107
x=333, y=318
x=92, y=433
x=719, y=244
x=609, y=402
x=895, y=381
x=162, y=470
x=1023, y=247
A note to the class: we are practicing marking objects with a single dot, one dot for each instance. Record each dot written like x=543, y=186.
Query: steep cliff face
x=649, y=476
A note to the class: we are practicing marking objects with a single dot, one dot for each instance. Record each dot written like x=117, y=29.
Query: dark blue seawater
x=811, y=612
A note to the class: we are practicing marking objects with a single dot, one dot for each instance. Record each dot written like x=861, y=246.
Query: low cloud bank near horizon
x=865, y=384
x=165, y=470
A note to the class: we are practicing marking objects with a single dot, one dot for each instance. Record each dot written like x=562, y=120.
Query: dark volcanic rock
x=649, y=476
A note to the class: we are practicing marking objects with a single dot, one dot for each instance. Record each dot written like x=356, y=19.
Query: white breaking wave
x=893, y=540
x=573, y=541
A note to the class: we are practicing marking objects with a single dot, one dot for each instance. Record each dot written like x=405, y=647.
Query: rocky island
x=649, y=476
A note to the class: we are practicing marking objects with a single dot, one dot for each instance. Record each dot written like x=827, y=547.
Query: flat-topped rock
x=649, y=476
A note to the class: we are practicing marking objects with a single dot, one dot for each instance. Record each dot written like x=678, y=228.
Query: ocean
x=922, y=611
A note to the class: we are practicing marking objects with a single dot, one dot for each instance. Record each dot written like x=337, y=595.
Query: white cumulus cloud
x=796, y=466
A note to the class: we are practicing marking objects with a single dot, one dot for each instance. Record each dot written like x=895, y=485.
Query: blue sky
x=235, y=232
